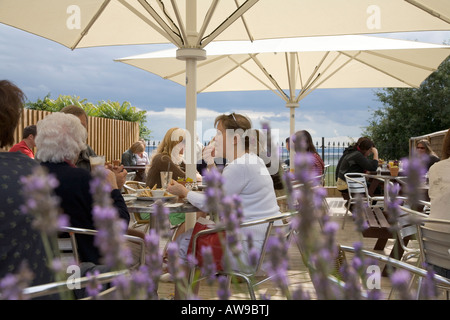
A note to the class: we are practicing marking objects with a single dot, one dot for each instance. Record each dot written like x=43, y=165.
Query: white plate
x=167, y=198
x=128, y=197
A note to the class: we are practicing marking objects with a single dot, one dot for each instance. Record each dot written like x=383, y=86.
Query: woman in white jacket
x=245, y=175
x=439, y=192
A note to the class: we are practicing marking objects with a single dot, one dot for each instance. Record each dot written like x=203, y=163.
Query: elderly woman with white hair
x=59, y=142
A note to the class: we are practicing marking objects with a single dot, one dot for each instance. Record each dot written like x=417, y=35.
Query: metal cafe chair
x=357, y=187
x=434, y=242
x=56, y=287
x=68, y=246
x=249, y=277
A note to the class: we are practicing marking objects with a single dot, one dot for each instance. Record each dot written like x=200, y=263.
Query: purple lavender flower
x=153, y=264
x=12, y=285
x=161, y=217
x=214, y=193
x=300, y=294
x=400, y=281
x=208, y=267
x=429, y=290
x=223, y=291
x=40, y=201
x=174, y=263
x=111, y=229
x=393, y=206
x=358, y=212
x=415, y=171
x=94, y=287
x=277, y=263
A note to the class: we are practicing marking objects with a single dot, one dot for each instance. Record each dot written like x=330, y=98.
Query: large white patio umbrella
x=190, y=25
x=437, y=8
x=294, y=67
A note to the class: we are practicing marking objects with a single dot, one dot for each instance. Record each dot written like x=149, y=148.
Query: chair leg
x=325, y=205
x=346, y=212
x=251, y=291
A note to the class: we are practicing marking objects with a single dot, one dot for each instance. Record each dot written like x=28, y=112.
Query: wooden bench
x=379, y=227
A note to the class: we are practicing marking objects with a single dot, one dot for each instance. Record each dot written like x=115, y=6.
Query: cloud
x=40, y=66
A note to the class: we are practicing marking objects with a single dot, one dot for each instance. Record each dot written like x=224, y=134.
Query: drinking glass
x=166, y=176
x=97, y=161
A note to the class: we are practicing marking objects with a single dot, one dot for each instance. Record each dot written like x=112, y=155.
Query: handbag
x=341, y=184
x=213, y=240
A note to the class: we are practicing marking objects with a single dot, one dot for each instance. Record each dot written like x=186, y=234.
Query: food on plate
x=147, y=192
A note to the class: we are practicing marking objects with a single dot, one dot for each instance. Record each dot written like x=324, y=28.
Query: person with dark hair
x=356, y=159
x=304, y=137
x=83, y=159
x=287, y=162
x=19, y=242
x=27, y=144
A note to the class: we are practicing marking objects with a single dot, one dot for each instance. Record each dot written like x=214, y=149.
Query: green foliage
x=410, y=112
x=103, y=109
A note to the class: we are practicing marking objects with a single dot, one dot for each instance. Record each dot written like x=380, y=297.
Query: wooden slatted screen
x=107, y=137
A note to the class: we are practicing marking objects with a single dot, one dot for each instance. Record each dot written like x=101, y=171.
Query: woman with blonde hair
x=168, y=157
x=130, y=157
x=423, y=148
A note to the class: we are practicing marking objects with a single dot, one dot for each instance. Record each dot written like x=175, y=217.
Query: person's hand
x=111, y=179
x=208, y=154
x=177, y=189
x=120, y=174
x=375, y=153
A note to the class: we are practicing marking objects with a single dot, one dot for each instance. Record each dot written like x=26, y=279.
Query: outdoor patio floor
x=297, y=272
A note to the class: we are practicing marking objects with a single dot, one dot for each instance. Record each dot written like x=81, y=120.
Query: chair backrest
x=266, y=223
x=357, y=185
x=69, y=245
x=434, y=241
x=131, y=175
x=406, y=229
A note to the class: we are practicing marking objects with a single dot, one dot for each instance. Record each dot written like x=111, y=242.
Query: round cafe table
x=148, y=207
x=384, y=177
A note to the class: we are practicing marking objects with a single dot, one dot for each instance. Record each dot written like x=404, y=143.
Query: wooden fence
x=436, y=139
x=107, y=137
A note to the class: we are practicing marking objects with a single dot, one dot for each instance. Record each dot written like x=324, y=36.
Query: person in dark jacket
x=59, y=142
x=83, y=158
x=20, y=242
x=356, y=158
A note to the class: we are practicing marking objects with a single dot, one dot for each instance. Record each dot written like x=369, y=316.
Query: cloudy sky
x=40, y=67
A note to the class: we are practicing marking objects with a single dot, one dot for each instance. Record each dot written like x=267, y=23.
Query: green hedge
x=103, y=109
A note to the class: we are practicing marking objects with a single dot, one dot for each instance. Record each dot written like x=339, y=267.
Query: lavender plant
x=12, y=285
x=312, y=230
x=111, y=230
x=43, y=205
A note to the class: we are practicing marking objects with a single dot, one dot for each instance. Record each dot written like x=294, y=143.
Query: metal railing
x=330, y=153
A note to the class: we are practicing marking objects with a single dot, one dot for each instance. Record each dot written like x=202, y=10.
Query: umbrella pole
x=191, y=56
x=291, y=106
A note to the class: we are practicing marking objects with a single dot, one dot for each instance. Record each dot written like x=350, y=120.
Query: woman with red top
x=305, y=136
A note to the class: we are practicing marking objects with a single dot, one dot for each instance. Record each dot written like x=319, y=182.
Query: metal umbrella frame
x=294, y=67
x=191, y=25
